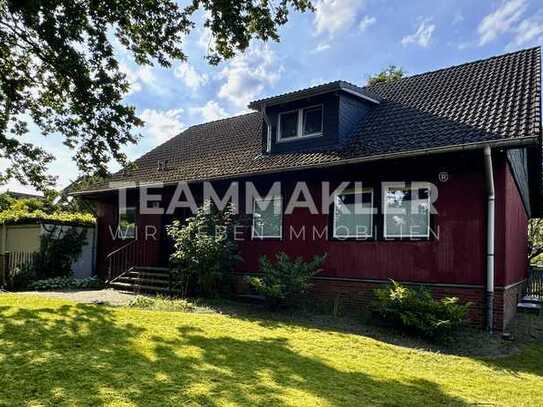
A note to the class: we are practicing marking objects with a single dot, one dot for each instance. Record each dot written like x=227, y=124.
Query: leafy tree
x=390, y=74
x=535, y=239
x=204, y=249
x=58, y=68
x=71, y=203
x=6, y=200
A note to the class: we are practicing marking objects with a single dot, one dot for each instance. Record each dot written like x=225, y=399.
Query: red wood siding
x=516, y=233
x=457, y=257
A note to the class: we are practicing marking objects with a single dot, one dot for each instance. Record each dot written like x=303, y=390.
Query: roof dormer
x=317, y=118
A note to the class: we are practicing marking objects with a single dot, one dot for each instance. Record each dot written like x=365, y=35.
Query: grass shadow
x=469, y=341
x=85, y=355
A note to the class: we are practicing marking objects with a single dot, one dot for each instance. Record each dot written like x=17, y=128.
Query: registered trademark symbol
x=444, y=176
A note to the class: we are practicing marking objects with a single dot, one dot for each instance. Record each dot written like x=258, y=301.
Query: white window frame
x=262, y=237
x=126, y=209
x=300, y=130
x=409, y=186
x=334, y=220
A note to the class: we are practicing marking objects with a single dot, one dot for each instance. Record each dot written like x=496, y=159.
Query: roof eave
x=507, y=143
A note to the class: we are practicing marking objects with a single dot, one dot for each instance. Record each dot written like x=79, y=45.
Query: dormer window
x=300, y=123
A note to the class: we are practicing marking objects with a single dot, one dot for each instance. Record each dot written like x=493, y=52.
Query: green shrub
x=161, y=304
x=281, y=282
x=64, y=283
x=205, y=251
x=415, y=310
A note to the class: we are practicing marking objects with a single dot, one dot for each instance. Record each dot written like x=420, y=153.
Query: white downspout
x=268, y=129
x=490, y=236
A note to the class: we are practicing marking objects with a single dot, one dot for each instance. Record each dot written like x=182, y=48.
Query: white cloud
x=322, y=46
x=190, y=77
x=501, y=20
x=511, y=18
x=138, y=77
x=161, y=125
x=248, y=74
x=131, y=77
x=422, y=36
x=458, y=18
x=205, y=40
x=366, y=22
x=529, y=31
x=210, y=111
x=332, y=16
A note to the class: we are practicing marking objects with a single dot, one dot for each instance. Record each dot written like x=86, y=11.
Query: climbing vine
x=60, y=247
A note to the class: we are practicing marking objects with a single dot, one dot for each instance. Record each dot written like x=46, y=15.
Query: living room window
x=268, y=218
x=406, y=210
x=300, y=123
x=353, y=215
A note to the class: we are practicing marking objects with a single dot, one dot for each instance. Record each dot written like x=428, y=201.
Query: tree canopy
x=58, y=68
x=535, y=240
x=392, y=73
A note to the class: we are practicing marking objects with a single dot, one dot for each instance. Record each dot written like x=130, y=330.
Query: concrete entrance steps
x=152, y=280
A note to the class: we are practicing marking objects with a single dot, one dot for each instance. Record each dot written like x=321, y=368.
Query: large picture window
x=353, y=215
x=406, y=211
x=127, y=223
x=268, y=218
x=297, y=124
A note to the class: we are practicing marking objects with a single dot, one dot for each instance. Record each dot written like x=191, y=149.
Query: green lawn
x=55, y=352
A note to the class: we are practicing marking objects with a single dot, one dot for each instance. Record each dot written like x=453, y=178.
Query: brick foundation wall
x=356, y=295
x=505, y=304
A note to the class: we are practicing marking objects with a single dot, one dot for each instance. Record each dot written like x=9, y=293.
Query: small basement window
x=267, y=218
x=353, y=215
x=406, y=212
x=127, y=223
x=297, y=124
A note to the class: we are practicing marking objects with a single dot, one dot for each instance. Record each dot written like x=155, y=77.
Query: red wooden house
x=447, y=165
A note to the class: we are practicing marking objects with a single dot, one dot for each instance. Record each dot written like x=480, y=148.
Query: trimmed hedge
x=22, y=216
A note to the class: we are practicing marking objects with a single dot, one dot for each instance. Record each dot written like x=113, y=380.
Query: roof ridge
x=477, y=61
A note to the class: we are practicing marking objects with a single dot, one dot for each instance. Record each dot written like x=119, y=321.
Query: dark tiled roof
x=488, y=100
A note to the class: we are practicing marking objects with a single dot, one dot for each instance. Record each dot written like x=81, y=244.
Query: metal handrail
x=120, y=248
x=109, y=257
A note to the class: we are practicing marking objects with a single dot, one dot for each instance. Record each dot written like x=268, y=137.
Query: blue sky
x=344, y=39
